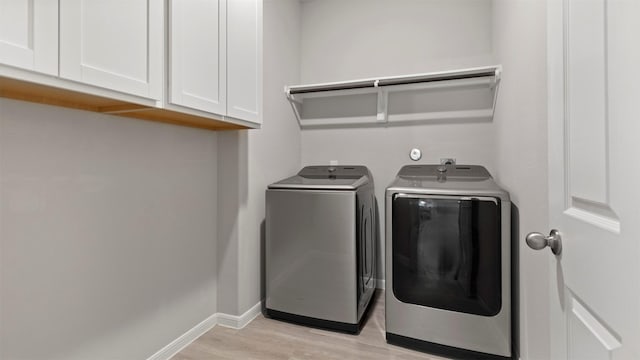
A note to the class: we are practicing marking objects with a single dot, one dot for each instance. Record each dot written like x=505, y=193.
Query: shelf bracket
x=292, y=98
x=496, y=79
x=383, y=102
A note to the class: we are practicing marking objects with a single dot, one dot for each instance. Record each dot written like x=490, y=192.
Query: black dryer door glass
x=447, y=253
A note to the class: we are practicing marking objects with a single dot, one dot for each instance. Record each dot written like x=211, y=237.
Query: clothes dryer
x=448, y=262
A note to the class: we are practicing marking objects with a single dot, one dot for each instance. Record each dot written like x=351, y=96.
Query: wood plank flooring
x=267, y=339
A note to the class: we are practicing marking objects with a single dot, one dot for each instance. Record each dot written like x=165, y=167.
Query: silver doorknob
x=538, y=241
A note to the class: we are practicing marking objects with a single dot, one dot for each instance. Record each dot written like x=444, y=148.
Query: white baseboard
x=232, y=321
x=238, y=322
x=380, y=284
x=185, y=339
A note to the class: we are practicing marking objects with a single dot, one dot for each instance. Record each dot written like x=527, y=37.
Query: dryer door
x=446, y=252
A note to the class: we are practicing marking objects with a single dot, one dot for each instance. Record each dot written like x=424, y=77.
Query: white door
x=29, y=35
x=114, y=44
x=594, y=177
x=197, y=56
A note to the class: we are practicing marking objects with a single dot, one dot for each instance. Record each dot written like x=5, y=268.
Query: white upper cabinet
x=187, y=62
x=29, y=35
x=114, y=44
x=197, y=56
x=215, y=57
x=244, y=59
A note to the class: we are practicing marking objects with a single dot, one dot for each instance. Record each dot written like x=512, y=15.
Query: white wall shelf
x=458, y=95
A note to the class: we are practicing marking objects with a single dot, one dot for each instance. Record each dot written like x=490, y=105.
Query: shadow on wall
x=515, y=281
x=263, y=266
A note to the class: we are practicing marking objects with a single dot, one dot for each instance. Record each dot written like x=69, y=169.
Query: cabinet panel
x=115, y=44
x=244, y=59
x=29, y=35
x=197, y=54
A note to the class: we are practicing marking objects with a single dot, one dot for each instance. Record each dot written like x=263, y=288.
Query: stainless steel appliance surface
x=448, y=262
x=320, y=247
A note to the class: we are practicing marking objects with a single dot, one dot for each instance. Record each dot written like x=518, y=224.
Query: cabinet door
x=244, y=59
x=29, y=35
x=114, y=44
x=197, y=56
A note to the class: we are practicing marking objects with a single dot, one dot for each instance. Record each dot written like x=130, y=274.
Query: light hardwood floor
x=266, y=339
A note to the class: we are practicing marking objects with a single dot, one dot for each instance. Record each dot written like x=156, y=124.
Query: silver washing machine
x=448, y=262
x=320, y=247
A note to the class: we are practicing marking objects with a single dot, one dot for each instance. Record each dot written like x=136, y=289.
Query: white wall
x=251, y=160
x=521, y=163
x=344, y=40
x=107, y=233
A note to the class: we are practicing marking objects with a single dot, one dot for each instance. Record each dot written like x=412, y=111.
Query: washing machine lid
x=447, y=180
x=326, y=178
x=445, y=172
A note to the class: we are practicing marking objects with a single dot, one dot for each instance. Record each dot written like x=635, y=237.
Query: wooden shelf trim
x=49, y=95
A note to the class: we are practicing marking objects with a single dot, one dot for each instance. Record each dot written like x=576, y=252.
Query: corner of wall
x=232, y=175
x=250, y=160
